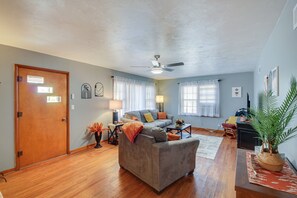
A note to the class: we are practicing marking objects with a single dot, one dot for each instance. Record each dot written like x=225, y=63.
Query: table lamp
x=160, y=101
x=115, y=105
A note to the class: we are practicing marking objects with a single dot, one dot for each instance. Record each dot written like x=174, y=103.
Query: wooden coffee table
x=185, y=127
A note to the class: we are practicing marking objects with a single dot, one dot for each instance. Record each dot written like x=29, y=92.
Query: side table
x=244, y=189
x=113, y=130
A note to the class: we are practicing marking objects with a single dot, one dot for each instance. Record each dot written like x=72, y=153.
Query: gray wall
x=229, y=105
x=281, y=50
x=85, y=112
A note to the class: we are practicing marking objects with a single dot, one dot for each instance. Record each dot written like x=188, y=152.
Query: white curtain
x=135, y=94
x=199, y=98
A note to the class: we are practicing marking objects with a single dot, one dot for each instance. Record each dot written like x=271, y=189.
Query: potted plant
x=273, y=124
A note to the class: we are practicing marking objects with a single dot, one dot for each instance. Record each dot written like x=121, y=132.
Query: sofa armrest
x=172, y=160
x=125, y=120
x=169, y=116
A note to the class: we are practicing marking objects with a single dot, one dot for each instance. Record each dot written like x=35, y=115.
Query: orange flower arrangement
x=97, y=129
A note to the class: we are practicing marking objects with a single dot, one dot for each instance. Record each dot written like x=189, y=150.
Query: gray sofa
x=140, y=115
x=155, y=160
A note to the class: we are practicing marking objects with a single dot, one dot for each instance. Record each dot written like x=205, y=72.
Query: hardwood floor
x=96, y=173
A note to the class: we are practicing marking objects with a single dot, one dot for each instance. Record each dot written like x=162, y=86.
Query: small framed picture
x=274, y=74
x=236, y=92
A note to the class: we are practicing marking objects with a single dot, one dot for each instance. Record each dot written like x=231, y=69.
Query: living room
x=238, y=47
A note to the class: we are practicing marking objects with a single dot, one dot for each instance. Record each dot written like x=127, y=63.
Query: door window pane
x=35, y=79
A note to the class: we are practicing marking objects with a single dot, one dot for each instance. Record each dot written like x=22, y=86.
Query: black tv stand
x=247, y=137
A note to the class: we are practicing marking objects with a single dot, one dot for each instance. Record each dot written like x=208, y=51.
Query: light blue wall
x=229, y=105
x=281, y=50
x=86, y=111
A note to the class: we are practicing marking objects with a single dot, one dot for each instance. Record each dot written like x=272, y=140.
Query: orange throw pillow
x=132, y=129
x=162, y=115
x=172, y=137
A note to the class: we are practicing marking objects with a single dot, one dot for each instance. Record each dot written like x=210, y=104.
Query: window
x=199, y=98
x=135, y=94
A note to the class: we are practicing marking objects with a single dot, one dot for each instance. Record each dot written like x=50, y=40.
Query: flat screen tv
x=248, y=103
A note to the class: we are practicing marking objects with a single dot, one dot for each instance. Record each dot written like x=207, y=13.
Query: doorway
x=41, y=114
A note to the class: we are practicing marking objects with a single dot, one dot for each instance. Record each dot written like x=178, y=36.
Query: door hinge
x=19, y=78
x=20, y=153
x=19, y=114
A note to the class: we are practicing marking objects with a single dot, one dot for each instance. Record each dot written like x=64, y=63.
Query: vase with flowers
x=179, y=122
x=97, y=129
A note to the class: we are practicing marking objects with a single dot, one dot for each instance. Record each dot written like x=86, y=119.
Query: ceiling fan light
x=157, y=70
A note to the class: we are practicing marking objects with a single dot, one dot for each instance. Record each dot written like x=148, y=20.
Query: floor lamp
x=160, y=101
x=115, y=105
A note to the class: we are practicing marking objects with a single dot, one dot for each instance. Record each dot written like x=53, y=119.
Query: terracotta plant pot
x=271, y=161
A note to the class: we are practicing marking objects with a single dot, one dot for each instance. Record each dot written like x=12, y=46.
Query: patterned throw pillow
x=148, y=117
x=162, y=115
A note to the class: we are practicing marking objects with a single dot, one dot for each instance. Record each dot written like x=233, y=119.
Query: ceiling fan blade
x=167, y=69
x=141, y=66
x=175, y=64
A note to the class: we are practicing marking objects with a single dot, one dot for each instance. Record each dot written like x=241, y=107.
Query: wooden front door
x=41, y=114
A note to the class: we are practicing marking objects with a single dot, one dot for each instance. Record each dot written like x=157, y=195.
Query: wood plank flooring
x=96, y=173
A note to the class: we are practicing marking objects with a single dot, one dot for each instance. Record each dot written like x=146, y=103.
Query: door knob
x=64, y=119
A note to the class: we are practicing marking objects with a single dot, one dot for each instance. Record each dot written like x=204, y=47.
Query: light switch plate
x=72, y=96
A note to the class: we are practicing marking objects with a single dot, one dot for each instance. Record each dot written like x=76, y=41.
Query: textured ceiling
x=209, y=36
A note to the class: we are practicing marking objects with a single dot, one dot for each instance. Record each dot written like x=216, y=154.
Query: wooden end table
x=180, y=129
x=113, y=130
x=245, y=189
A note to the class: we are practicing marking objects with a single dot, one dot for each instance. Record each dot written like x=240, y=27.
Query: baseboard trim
x=74, y=151
x=8, y=171
x=81, y=149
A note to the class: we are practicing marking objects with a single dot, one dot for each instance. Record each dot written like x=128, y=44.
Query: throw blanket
x=132, y=129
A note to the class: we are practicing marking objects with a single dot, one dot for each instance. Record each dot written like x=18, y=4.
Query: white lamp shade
x=115, y=104
x=159, y=99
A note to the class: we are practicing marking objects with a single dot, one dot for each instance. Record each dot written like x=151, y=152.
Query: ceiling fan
x=158, y=68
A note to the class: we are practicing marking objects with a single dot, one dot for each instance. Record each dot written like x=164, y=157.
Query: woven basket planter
x=271, y=161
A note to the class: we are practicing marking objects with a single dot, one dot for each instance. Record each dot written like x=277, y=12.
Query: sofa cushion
x=133, y=113
x=162, y=115
x=142, y=112
x=158, y=133
x=154, y=113
x=148, y=117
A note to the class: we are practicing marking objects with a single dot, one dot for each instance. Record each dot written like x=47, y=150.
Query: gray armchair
x=158, y=164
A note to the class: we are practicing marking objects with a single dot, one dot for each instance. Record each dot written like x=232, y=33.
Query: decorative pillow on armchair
x=132, y=129
x=172, y=137
x=158, y=133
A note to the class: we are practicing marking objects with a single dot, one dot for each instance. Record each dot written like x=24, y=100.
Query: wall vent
x=295, y=17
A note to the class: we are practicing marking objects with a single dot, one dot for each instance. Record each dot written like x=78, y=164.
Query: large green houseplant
x=273, y=124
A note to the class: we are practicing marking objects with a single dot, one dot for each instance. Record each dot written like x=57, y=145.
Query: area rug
x=209, y=145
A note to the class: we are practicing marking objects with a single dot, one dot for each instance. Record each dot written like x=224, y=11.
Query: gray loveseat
x=155, y=160
x=140, y=116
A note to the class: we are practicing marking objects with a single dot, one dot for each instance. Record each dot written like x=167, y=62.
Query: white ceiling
x=209, y=36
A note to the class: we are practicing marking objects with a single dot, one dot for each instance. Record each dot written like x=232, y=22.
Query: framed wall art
x=236, y=92
x=273, y=81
